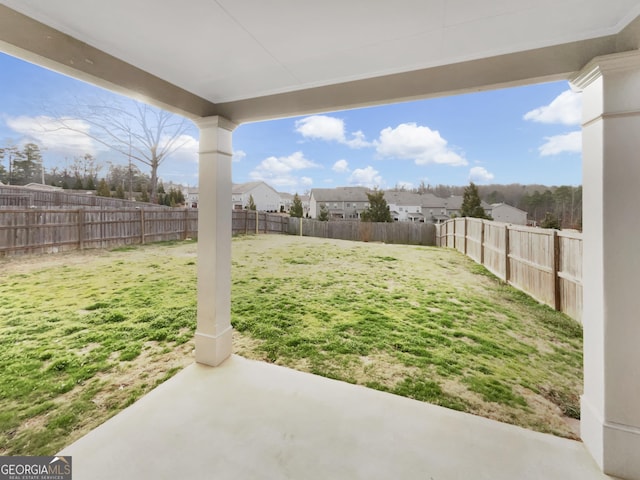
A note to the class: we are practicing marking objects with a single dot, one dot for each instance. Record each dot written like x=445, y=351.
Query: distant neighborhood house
x=265, y=198
x=502, y=212
x=345, y=203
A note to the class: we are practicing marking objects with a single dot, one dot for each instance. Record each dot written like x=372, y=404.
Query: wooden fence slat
x=545, y=264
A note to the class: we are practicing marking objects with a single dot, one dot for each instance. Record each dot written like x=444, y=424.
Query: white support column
x=610, y=406
x=213, y=334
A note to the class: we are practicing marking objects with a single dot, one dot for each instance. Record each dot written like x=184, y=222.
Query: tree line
x=25, y=165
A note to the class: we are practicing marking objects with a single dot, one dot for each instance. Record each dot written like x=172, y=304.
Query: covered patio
x=226, y=62
x=253, y=420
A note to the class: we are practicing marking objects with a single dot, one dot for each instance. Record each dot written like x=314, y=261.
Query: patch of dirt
x=246, y=346
x=544, y=415
x=381, y=368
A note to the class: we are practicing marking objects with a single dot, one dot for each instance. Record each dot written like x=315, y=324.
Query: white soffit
x=226, y=50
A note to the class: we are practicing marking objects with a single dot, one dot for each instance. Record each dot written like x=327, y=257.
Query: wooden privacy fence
x=50, y=230
x=546, y=264
x=251, y=221
x=37, y=230
x=406, y=233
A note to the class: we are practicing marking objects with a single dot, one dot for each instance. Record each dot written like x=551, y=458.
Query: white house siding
x=265, y=198
x=501, y=212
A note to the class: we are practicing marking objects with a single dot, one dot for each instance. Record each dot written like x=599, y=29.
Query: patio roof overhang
x=225, y=62
x=250, y=61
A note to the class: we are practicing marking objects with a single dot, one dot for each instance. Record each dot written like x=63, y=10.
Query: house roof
x=340, y=194
x=506, y=205
x=248, y=60
x=403, y=198
x=429, y=200
x=242, y=188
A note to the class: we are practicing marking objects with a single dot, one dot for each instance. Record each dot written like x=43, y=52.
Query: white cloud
x=278, y=171
x=567, y=143
x=48, y=133
x=341, y=166
x=358, y=140
x=565, y=109
x=418, y=143
x=321, y=127
x=366, y=177
x=329, y=129
x=187, y=148
x=238, y=155
x=282, y=165
x=480, y=175
x=306, y=181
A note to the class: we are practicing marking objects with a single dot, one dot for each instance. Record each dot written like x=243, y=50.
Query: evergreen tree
x=120, y=192
x=103, y=189
x=77, y=185
x=323, y=216
x=91, y=184
x=378, y=210
x=550, y=221
x=252, y=204
x=471, y=204
x=175, y=197
x=296, y=208
x=162, y=196
x=144, y=195
x=27, y=165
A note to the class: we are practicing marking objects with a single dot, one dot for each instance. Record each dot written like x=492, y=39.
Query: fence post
x=300, y=226
x=466, y=230
x=482, y=242
x=556, y=270
x=454, y=233
x=186, y=223
x=81, y=229
x=257, y=222
x=142, y=232
x=507, y=267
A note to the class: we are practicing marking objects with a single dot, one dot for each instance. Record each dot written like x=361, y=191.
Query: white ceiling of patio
x=225, y=51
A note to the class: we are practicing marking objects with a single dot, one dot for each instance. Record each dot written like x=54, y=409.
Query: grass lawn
x=83, y=335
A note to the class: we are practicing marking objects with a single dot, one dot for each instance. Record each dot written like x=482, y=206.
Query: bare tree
x=139, y=132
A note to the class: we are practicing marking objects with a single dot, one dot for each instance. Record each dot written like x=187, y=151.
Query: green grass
x=86, y=334
x=76, y=337
x=421, y=322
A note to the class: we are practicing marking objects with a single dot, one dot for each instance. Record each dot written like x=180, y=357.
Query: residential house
x=265, y=198
x=502, y=212
x=342, y=202
x=190, y=197
x=286, y=200
x=433, y=208
x=405, y=206
x=453, y=205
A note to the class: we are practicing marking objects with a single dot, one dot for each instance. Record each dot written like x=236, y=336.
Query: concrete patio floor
x=253, y=420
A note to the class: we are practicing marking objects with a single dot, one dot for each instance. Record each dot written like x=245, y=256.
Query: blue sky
x=519, y=135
